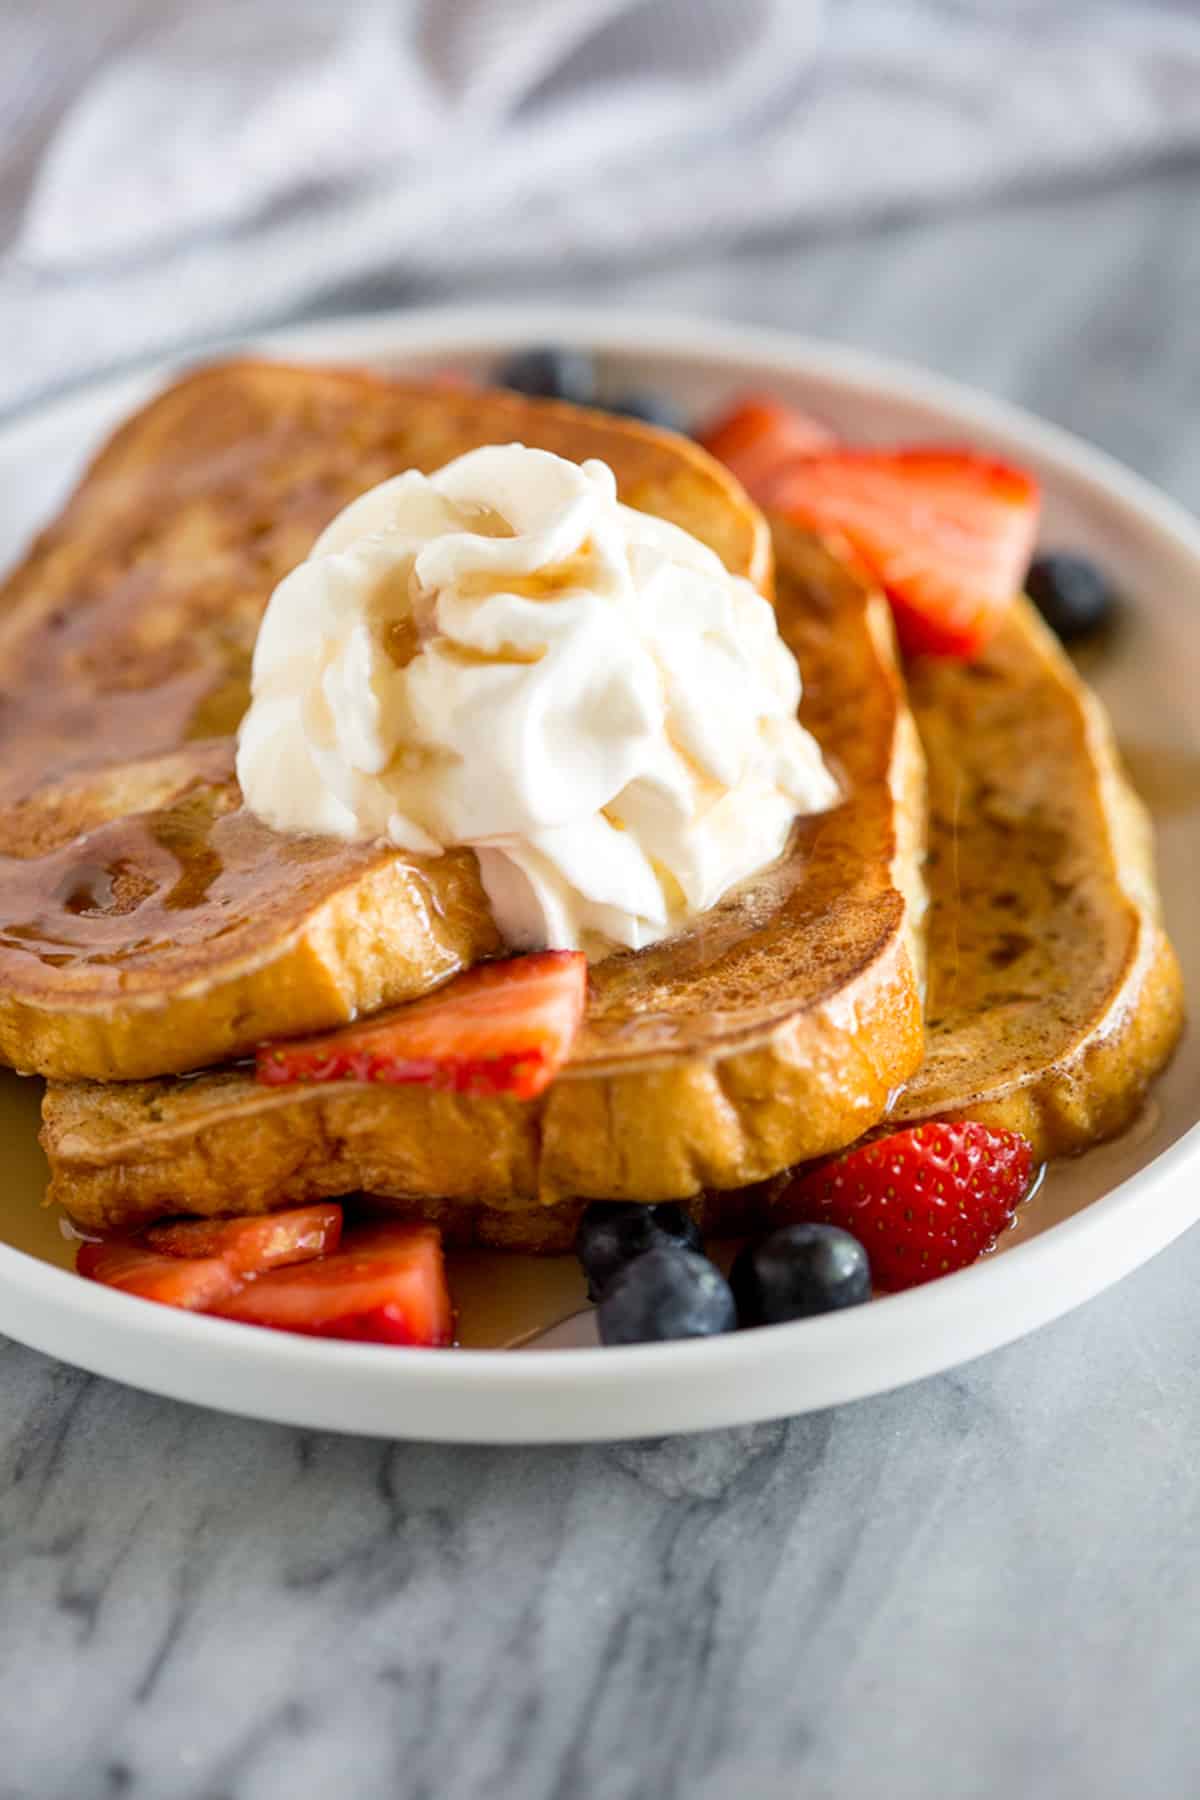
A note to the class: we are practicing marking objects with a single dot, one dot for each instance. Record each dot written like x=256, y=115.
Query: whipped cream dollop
x=503, y=655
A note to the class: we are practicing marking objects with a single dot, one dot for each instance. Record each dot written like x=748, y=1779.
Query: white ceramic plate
x=1094, y=1220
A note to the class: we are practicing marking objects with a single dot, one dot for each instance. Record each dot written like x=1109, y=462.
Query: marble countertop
x=980, y=1588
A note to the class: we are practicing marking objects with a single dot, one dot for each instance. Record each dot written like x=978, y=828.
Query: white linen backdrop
x=175, y=171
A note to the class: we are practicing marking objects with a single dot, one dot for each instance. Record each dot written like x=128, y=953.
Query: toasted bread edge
x=1096, y=1084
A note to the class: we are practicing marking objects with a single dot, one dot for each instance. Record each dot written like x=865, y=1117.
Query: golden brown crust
x=1054, y=996
x=148, y=923
x=774, y=1031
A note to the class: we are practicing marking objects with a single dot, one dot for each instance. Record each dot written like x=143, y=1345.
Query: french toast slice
x=148, y=923
x=1054, y=995
x=776, y=1029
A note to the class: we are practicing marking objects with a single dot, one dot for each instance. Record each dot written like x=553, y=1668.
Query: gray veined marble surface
x=984, y=1588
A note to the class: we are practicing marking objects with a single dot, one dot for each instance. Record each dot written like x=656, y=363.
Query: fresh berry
x=195, y=1283
x=665, y=1293
x=502, y=1028
x=924, y=1201
x=251, y=1246
x=612, y=1232
x=947, y=534
x=1072, y=593
x=797, y=1272
x=650, y=407
x=550, y=372
x=386, y=1285
x=757, y=436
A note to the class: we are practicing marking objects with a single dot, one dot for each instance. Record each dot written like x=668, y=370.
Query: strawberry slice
x=923, y=1202
x=196, y=1283
x=251, y=1246
x=757, y=436
x=386, y=1285
x=947, y=534
x=502, y=1028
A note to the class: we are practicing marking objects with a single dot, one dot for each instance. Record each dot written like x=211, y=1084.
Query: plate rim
x=639, y=1390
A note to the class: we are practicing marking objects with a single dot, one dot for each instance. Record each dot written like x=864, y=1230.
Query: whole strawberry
x=923, y=1202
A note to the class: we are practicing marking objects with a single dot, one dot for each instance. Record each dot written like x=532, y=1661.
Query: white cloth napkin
x=177, y=171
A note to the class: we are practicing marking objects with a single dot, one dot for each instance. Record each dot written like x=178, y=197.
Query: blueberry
x=551, y=373
x=652, y=408
x=665, y=1293
x=1072, y=593
x=612, y=1232
x=798, y=1271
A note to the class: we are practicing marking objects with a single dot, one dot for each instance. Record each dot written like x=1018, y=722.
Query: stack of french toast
x=972, y=932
